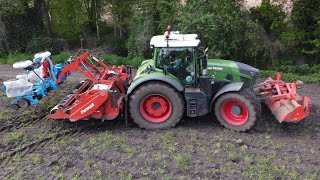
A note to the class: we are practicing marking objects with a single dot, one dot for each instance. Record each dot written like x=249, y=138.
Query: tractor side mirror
x=205, y=62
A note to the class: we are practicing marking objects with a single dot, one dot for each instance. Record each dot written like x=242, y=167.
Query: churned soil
x=34, y=147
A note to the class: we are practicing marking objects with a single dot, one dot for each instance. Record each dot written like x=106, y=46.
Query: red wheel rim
x=234, y=112
x=155, y=108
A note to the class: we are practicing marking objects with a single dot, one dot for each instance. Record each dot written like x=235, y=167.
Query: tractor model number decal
x=216, y=68
x=87, y=108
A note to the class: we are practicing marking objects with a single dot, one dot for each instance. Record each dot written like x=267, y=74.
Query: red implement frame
x=283, y=100
x=99, y=97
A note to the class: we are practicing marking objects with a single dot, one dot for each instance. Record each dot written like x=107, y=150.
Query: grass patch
x=106, y=141
x=234, y=156
x=118, y=60
x=125, y=175
x=182, y=160
x=14, y=137
x=36, y=159
x=61, y=58
x=262, y=167
x=7, y=115
x=12, y=58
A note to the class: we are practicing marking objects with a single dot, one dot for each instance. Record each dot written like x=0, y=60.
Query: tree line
x=261, y=36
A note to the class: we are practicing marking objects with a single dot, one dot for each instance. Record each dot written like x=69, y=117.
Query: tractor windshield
x=179, y=62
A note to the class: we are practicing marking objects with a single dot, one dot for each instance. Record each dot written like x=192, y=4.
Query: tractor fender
x=170, y=81
x=232, y=87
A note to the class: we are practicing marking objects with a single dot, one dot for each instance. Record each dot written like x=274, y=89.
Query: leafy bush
x=271, y=16
x=115, y=45
x=67, y=18
x=223, y=28
x=311, y=78
x=12, y=58
x=299, y=70
x=60, y=58
x=118, y=60
x=17, y=26
x=64, y=56
x=39, y=44
x=58, y=45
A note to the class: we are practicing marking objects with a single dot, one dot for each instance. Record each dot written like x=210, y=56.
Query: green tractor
x=180, y=81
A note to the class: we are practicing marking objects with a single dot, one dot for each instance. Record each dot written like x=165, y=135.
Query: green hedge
x=299, y=70
x=64, y=56
x=61, y=58
x=12, y=58
x=108, y=59
x=309, y=78
x=118, y=60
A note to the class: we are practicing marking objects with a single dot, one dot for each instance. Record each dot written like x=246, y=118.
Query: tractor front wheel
x=156, y=106
x=237, y=110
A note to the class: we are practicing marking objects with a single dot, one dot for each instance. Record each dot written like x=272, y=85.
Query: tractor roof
x=175, y=40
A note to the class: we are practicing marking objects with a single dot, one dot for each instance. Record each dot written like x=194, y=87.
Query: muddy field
x=33, y=147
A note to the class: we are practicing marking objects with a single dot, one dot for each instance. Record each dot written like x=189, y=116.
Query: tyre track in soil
x=29, y=120
x=78, y=129
x=47, y=141
x=19, y=123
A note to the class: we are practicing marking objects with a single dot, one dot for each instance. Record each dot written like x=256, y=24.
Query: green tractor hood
x=231, y=71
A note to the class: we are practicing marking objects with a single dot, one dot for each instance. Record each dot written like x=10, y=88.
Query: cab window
x=179, y=62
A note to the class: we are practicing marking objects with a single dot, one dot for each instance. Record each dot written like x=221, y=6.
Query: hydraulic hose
x=51, y=67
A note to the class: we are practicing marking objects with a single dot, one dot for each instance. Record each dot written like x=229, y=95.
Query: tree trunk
x=42, y=19
x=46, y=18
x=4, y=45
x=97, y=23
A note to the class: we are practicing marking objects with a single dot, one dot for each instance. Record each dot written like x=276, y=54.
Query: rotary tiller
x=283, y=100
x=101, y=96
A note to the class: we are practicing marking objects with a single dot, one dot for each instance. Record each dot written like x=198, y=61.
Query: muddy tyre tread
x=254, y=108
x=153, y=87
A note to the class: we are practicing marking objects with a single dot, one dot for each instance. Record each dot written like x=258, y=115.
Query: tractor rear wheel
x=238, y=110
x=156, y=106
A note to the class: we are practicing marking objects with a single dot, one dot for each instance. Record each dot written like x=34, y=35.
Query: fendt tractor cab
x=180, y=78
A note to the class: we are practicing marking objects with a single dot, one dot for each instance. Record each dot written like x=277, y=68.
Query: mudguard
x=154, y=77
x=232, y=87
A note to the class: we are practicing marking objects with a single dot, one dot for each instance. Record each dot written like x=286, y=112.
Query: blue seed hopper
x=39, y=78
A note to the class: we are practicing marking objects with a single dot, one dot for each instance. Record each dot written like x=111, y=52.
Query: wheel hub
x=155, y=108
x=234, y=112
x=156, y=105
